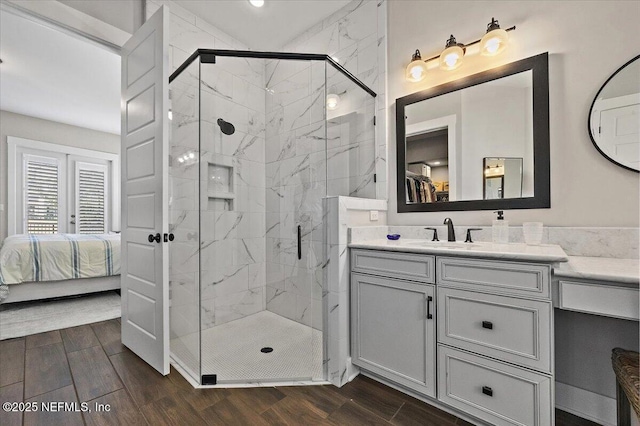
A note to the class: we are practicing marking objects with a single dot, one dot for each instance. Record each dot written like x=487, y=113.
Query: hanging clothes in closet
x=420, y=189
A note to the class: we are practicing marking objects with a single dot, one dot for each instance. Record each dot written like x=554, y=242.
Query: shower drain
x=266, y=350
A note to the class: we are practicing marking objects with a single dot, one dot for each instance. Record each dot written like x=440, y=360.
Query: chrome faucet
x=451, y=235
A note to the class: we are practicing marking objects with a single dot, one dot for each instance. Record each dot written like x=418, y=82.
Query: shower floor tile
x=232, y=350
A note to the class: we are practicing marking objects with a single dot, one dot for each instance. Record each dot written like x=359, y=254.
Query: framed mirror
x=448, y=135
x=614, y=117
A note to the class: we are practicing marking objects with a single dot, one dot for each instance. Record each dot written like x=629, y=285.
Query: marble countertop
x=512, y=251
x=600, y=268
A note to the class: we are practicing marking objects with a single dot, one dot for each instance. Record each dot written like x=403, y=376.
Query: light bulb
x=332, y=101
x=417, y=69
x=192, y=155
x=492, y=46
x=451, y=56
x=495, y=40
x=257, y=3
x=452, y=59
x=181, y=160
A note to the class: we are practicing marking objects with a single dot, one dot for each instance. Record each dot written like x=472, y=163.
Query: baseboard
x=592, y=406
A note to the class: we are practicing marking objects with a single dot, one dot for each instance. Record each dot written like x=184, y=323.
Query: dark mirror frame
x=539, y=65
x=593, y=140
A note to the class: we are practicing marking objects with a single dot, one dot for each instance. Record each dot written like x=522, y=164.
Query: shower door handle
x=299, y=242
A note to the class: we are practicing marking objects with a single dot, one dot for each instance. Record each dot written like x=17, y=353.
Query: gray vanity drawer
x=508, y=328
x=513, y=278
x=497, y=393
x=415, y=267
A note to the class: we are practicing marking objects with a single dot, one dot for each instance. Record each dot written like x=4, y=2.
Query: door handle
x=487, y=391
x=487, y=325
x=157, y=238
x=429, y=299
x=299, y=242
x=168, y=237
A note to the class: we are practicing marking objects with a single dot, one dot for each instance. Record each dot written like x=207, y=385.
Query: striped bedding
x=34, y=258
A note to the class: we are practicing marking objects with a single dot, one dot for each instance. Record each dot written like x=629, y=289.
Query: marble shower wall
x=355, y=36
x=312, y=152
x=232, y=239
x=278, y=159
x=343, y=213
x=296, y=183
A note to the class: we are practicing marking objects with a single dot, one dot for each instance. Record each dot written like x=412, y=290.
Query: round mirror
x=614, y=119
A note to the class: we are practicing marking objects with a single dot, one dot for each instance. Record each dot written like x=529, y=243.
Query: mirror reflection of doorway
x=430, y=155
x=493, y=188
x=502, y=178
x=427, y=166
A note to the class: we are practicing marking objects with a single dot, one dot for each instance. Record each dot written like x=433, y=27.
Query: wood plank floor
x=89, y=364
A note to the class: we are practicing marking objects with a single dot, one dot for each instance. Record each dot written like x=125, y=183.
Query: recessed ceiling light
x=257, y=3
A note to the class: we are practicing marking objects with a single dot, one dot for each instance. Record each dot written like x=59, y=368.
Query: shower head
x=226, y=127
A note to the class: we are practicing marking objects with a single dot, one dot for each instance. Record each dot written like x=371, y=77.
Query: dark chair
x=626, y=365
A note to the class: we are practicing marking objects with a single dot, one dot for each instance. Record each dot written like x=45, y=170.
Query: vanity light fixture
x=451, y=56
x=492, y=43
x=257, y=3
x=417, y=69
x=332, y=101
x=495, y=40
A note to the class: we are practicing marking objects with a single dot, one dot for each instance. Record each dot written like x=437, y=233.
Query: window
x=91, y=202
x=41, y=194
x=59, y=189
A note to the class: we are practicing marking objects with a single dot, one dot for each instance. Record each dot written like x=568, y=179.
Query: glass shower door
x=262, y=173
x=184, y=289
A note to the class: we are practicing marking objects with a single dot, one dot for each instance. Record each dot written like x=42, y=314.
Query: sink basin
x=451, y=245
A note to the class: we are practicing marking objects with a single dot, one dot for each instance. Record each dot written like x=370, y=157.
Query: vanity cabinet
x=480, y=329
x=393, y=330
x=495, y=339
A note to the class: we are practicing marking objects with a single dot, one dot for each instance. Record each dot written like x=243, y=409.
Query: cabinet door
x=393, y=330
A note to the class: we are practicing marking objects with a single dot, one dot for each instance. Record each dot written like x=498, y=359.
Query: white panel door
x=145, y=134
x=615, y=126
x=620, y=133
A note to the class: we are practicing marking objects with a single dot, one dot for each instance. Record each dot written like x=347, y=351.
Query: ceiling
x=265, y=28
x=52, y=75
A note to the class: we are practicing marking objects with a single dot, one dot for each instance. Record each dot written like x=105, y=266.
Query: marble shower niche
x=247, y=206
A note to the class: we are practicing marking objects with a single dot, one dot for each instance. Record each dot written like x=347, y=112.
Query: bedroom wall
x=23, y=126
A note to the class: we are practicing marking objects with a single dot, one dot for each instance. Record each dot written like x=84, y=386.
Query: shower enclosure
x=258, y=139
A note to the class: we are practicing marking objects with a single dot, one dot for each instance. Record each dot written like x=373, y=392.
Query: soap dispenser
x=500, y=229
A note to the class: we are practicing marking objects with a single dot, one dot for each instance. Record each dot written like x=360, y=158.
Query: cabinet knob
x=487, y=390
x=487, y=325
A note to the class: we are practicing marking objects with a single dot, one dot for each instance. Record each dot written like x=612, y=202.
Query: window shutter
x=41, y=182
x=90, y=202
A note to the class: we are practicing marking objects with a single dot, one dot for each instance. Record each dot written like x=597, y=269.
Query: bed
x=44, y=266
